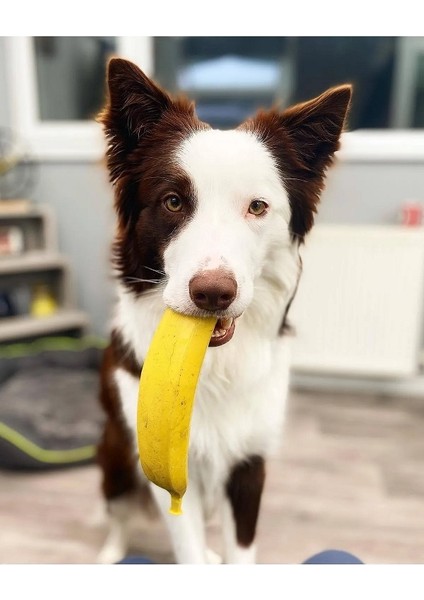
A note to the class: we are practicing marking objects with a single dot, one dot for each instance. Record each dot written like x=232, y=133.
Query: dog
x=209, y=222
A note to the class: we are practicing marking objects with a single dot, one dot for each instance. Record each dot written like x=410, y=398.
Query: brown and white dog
x=208, y=222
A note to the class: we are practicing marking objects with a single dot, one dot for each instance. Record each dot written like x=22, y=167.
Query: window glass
x=418, y=105
x=230, y=77
x=71, y=76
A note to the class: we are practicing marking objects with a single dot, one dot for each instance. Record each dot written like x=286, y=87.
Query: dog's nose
x=213, y=290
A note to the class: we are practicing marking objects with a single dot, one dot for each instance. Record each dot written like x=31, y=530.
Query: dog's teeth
x=219, y=333
x=224, y=326
x=226, y=323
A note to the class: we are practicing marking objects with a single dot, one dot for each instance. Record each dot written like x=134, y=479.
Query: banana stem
x=175, y=508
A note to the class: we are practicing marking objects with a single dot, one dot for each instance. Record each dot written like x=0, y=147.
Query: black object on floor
x=49, y=413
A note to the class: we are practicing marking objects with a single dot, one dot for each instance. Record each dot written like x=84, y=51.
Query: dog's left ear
x=303, y=140
x=314, y=127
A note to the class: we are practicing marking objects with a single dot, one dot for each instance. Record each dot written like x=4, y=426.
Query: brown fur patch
x=115, y=453
x=303, y=140
x=244, y=490
x=144, y=127
x=123, y=355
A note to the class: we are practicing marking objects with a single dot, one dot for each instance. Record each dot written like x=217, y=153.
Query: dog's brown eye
x=173, y=203
x=257, y=207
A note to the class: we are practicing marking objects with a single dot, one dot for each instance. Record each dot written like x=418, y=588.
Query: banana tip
x=175, y=508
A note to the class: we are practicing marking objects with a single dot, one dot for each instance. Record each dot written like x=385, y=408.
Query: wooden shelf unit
x=39, y=263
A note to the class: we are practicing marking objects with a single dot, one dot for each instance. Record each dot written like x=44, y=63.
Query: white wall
x=4, y=109
x=82, y=201
x=371, y=192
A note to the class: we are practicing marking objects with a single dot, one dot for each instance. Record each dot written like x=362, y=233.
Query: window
x=57, y=85
x=70, y=76
x=231, y=77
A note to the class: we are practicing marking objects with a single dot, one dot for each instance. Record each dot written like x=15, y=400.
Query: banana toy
x=165, y=401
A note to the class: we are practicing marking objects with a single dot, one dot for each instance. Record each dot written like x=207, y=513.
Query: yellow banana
x=165, y=401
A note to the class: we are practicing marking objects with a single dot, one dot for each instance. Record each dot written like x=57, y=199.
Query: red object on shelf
x=412, y=214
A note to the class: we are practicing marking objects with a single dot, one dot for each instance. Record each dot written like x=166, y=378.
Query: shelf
x=13, y=328
x=37, y=224
x=39, y=264
x=32, y=212
x=32, y=261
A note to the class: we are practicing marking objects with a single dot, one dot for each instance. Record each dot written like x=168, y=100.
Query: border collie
x=208, y=222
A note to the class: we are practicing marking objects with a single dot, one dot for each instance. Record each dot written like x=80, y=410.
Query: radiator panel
x=360, y=303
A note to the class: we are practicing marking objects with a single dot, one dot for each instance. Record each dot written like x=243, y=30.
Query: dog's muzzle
x=215, y=290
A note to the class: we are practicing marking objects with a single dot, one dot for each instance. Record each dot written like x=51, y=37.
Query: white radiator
x=360, y=304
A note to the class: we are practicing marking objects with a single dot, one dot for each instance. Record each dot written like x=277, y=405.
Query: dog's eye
x=173, y=203
x=257, y=207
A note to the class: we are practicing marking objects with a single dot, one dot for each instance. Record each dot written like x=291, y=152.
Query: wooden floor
x=350, y=475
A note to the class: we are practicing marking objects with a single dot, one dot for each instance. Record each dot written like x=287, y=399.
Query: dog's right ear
x=133, y=106
x=135, y=102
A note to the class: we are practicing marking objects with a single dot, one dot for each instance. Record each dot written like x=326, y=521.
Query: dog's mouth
x=223, y=332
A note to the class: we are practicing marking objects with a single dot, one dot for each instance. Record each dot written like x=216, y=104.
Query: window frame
x=83, y=141
x=76, y=140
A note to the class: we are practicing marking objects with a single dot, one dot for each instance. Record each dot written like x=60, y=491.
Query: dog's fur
x=157, y=150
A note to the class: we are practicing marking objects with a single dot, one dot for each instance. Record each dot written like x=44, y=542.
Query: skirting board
x=409, y=387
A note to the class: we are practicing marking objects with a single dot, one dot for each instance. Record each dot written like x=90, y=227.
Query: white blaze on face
x=228, y=170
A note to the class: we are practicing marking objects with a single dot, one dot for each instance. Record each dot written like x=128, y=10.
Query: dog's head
x=202, y=209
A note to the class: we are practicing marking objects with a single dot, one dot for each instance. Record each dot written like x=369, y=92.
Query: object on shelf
x=7, y=308
x=43, y=303
x=37, y=225
x=412, y=214
x=21, y=296
x=11, y=241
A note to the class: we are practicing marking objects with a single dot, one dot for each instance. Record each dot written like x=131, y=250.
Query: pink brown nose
x=213, y=290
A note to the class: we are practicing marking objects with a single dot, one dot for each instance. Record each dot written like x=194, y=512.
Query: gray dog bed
x=49, y=412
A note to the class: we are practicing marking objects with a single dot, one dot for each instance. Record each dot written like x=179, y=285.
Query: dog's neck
x=274, y=289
